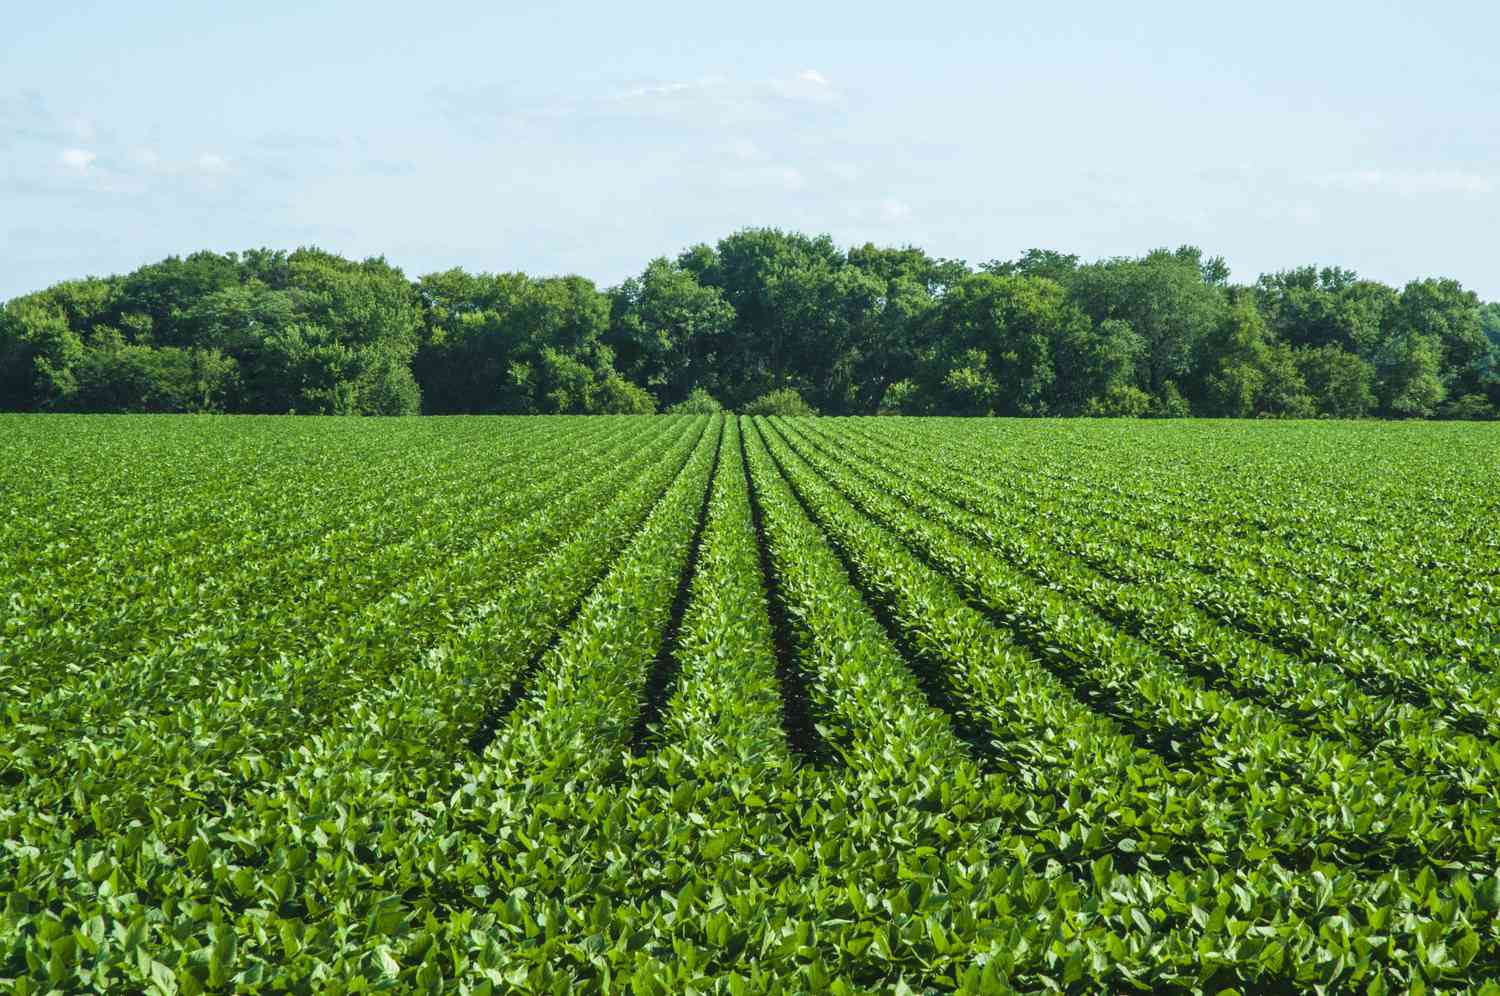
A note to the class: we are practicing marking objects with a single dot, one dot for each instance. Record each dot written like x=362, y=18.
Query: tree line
x=765, y=320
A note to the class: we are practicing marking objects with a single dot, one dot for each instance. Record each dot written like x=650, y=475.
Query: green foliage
x=732, y=705
x=698, y=402
x=387, y=387
x=1167, y=300
x=784, y=401
x=1341, y=384
x=615, y=395
x=1169, y=403
x=1119, y=401
x=1325, y=308
x=1471, y=407
x=865, y=330
x=665, y=327
x=1004, y=332
x=901, y=398
x=129, y=378
x=1409, y=376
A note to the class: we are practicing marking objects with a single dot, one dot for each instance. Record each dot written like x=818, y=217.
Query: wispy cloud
x=778, y=176
x=25, y=117
x=77, y=160
x=879, y=211
x=892, y=209
x=746, y=149
x=707, y=101
x=651, y=91
x=1409, y=183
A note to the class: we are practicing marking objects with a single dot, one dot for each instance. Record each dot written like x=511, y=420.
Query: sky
x=589, y=138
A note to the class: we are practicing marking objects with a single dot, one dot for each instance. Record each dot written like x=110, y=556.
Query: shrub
x=1119, y=401
x=699, y=402
x=901, y=398
x=388, y=388
x=618, y=396
x=783, y=401
x=1471, y=407
x=1170, y=403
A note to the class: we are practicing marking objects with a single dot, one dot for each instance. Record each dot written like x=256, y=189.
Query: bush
x=1170, y=403
x=1119, y=401
x=1470, y=407
x=901, y=398
x=126, y=378
x=388, y=388
x=699, y=402
x=617, y=396
x=783, y=401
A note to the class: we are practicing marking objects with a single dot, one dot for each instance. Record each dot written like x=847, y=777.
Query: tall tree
x=1167, y=299
x=760, y=272
x=667, y=331
x=1008, y=331
x=1312, y=307
x=1443, y=310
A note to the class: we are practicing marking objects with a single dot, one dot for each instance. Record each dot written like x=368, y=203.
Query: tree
x=40, y=351
x=1229, y=362
x=759, y=271
x=698, y=402
x=892, y=341
x=999, y=338
x=884, y=329
x=617, y=396
x=1470, y=407
x=1046, y=263
x=386, y=387
x=1340, y=384
x=1410, y=385
x=1446, y=313
x=509, y=343
x=1098, y=363
x=1489, y=320
x=782, y=401
x=667, y=329
x=1165, y=299
x=1311, y=307
x=1283, y=390
x=123, y=377
x=1240, y=371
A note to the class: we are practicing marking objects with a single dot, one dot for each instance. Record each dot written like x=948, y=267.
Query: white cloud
x=787, y=178
x=721, y=102
x=744, y=148
x=77, y=159
x=652, y=90
x=1409, y=183
x=807, y=87
x=893, y=210
x=212, y=162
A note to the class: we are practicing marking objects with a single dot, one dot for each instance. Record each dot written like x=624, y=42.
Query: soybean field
x=714, y=704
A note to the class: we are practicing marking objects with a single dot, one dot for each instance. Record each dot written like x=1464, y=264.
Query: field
x=707, y=704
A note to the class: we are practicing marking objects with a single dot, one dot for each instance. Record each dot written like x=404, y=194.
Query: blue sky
x=588, y=138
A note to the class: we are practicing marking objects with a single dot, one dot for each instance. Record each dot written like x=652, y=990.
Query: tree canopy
x=763, y=318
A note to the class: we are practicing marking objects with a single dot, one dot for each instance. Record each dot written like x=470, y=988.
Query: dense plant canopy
x=733, y=705
x=863, y=331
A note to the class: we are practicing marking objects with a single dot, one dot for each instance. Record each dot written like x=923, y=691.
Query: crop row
x=739, y=705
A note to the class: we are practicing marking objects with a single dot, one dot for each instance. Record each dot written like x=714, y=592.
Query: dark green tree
x=1167, y=301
